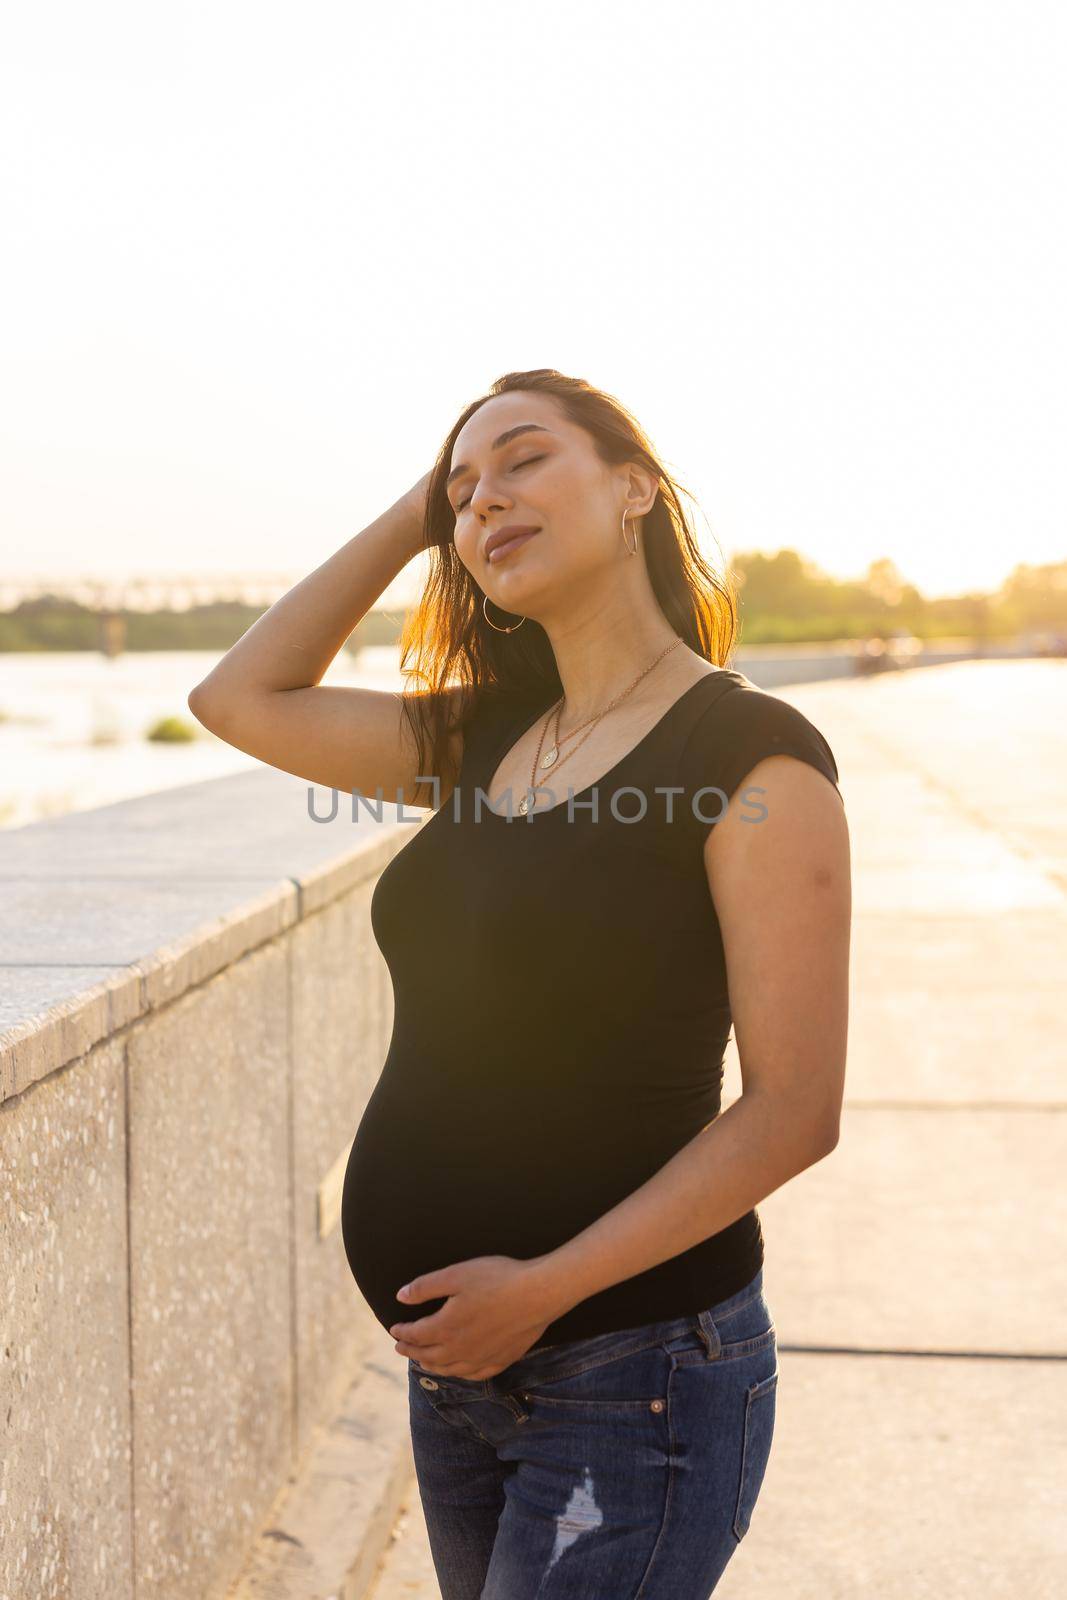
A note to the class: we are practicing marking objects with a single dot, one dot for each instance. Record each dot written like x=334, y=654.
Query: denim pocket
x=760, y=1402
x=636, y=1382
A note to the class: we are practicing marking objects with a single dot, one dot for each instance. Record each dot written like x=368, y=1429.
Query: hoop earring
x=492, y=624
x=631, y=547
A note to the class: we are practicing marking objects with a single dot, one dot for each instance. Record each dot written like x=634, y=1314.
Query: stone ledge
x=114, y=912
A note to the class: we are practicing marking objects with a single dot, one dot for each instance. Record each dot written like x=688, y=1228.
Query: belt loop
x=710, y=1334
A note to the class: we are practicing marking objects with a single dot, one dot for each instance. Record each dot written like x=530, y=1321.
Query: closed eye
x=527, y=463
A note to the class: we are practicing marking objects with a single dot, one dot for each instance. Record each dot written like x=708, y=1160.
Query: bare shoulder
x=782, y=838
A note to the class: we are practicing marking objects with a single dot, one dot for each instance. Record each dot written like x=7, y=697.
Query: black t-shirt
x=561, y=1010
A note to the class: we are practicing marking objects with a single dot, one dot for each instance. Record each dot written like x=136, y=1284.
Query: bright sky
x=257, y=257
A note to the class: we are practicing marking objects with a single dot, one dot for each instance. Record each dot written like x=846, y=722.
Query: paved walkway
x=918, y=1275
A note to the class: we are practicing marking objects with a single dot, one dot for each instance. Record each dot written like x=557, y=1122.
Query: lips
x=504, y=540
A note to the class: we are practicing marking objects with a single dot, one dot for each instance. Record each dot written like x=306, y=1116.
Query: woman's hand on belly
x=497, y=1308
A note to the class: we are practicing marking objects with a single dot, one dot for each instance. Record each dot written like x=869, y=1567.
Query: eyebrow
x=498, y=444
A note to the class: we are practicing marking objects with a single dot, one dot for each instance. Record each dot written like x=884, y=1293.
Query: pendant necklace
x=552, y=756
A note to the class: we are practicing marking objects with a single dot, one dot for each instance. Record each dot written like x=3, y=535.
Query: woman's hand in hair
x=415, y=501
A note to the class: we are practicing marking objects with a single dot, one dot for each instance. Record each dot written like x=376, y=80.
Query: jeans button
x=428, y=1383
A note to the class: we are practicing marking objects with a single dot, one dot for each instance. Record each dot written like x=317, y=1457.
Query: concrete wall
x=776, y=666
x=193, y=1012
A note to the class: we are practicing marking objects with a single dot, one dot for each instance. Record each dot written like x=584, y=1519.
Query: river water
x=73, y=725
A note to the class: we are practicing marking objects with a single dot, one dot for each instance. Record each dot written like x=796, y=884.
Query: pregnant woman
x=631, y=848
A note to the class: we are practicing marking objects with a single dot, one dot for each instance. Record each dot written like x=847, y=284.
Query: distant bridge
x=155, y=592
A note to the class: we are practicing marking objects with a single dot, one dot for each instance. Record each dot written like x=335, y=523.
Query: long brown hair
x=446, y=637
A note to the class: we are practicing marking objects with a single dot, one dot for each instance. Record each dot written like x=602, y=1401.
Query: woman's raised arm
x=265, y=697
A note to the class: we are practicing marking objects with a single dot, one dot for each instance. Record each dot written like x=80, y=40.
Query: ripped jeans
x=622, y=1467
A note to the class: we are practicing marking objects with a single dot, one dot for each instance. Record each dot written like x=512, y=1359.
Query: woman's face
x=548, y=477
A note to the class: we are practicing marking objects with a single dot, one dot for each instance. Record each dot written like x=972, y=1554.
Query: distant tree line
x=785, y=599
x=52, y=622
x=782, y=598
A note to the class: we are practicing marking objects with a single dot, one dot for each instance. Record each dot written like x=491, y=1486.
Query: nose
x=483, y=502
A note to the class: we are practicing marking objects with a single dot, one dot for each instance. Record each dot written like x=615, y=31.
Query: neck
x=598, y=659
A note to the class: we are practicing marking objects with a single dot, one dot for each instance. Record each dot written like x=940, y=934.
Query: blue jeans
x=622, y=1467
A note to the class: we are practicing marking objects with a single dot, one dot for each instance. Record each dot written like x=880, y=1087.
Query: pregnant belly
x=411, y=1205
x=426, y=1190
